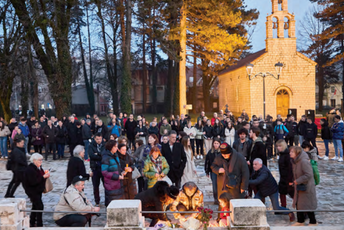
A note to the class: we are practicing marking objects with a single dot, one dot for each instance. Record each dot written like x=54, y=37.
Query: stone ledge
x=307, y=228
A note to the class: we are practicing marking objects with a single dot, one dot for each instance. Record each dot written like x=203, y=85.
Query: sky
x=298, y=7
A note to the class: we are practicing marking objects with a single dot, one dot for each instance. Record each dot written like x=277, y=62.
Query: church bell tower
x=280, y=28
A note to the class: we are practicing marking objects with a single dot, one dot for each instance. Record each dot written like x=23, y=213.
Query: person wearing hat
x=155, y=199
x=232, y=172
x=73, y=199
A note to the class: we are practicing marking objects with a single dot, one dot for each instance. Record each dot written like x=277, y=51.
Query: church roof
x=243, y=62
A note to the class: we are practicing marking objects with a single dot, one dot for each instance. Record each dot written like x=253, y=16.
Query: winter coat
x=72, y=133
x=199, y=133
x=5, y=131
x=208, y=132
x=142, y=129
x=280, y=132
x=258, y=150
x=25, y=129
x=292, y=128
x=101, y=129
x=152, y=200
x=264, y=181
x=11, y=126
x=326, y=131
x=239, y=174
x=37, y=133
x=243, y=148
x=191, y=132
x=111, y=170
x=61, y=136
x=149, y=170
x=303, y=174
x=191, y=203
x=76, y=167
x=217, y=131
x=338, y=130
x=176, y=159
x=153, y=130
x=311, y=131
x=18, y=159
x=86, y=132
x=130, y=127
x=209, y=159
x=129, y=185
x=72, y=200
x=114, y=129
x=49, y=134
x=34, y=182
x=313, y=154
x=95, y=155
x=286, y=173
x=229, y=134
x=301, y=128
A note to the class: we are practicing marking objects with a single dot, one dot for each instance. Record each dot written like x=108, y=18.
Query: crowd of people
x=135, y=158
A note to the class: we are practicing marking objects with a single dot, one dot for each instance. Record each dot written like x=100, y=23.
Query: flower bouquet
x=205, y=216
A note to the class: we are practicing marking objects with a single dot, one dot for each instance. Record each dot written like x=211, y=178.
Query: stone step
x=60, y=228
x=307, y=228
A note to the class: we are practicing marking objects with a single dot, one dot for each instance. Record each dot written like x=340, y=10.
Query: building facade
x=295, y=88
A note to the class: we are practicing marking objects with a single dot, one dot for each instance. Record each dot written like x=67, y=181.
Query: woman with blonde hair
x=190, y=168
x=156, y=167
x=286, y=172
x=304, y=186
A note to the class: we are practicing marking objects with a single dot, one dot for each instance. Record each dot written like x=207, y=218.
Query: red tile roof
x=244, y=62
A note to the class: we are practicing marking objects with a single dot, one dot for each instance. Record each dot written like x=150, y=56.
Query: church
x=275, y=79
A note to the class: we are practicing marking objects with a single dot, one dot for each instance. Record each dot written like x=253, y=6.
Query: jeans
x=3, y=146
x=86, y=143
x=26, y=143
x=274, y=201
x=192, y=145
x=296, y=140
x=213, y=178
x=338, y=145
x=48, y=148
x=60, y=150
x=73, y=220
x=97, y=176
x=199, y=147
x=326, y=142
x=301, y=139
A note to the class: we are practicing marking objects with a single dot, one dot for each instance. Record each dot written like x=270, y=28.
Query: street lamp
x=251, y=75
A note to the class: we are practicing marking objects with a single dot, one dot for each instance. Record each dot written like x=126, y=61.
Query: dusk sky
x=298, y=7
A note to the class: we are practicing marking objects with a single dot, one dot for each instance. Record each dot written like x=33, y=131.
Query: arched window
x=286, y=27
x=280, y=5
x=274, y=27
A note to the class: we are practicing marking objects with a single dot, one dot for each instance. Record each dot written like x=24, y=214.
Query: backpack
x=315, y=172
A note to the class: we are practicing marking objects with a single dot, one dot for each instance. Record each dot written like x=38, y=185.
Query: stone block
x=9, y=212
x=124, y=213
x=248, y=212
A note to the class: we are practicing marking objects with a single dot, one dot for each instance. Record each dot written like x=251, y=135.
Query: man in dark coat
x=301, y=129
x=176, y=158
x=311, y=132
x=130, y=127
x=72, y=134
x=266, y=185
x=94, y=151
x=232, y=172
x=291, y=125
x=101, y=128
x=155, y=198
x=86, y=136
x=50, y=133
x=18, y=163
x=258, y=149
x=76, y=165
x=243, y=145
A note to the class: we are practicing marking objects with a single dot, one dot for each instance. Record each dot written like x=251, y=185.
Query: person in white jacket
x=190, y=172
x=191, y=132
x=230, y=134
x=4, y=132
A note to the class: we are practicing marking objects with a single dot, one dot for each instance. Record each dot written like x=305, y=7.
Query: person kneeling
x=74, y=199
x=266, y=185
x=190, y=198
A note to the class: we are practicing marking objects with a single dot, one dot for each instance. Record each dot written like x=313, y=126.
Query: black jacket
x=130, y=127
x=218, y=131
x=301, y=128
x=208, y=131
x=152, y=200
x=101, y=129
x=142, y=129
x=95, y=155
x=264, y=181
x=86, y=132
x=34, y=182
x=258, y=151
x=326, y=131
x=11, y=126
x=61, y=136
x=286, y=173
x=49, y=134
x=18, y=159
x=153, y=130
x=72, y=133
x=243, y=148
x=292, y=128
x=175, y=159
x=311, y=131
x=209, y=159
x=76, y=167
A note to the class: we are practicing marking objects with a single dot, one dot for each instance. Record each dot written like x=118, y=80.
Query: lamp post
x=251, y=75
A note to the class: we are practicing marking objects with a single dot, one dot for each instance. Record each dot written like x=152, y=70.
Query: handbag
x=301, y=187
x=48, y=186
x=135, y=174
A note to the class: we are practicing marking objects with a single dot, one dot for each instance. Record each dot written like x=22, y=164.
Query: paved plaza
x=329, y=191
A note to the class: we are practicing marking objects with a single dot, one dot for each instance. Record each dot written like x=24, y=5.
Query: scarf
x=157, y=164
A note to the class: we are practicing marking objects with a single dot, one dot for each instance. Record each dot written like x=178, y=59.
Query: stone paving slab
x=329, y=192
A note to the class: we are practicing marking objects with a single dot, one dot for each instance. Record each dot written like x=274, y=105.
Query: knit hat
x=225, y=148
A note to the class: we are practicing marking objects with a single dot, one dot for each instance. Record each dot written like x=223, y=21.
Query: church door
x=282, y=102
